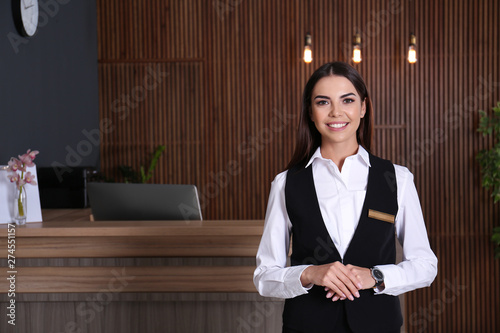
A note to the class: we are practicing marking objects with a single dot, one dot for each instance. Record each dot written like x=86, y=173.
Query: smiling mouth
x=337, y=125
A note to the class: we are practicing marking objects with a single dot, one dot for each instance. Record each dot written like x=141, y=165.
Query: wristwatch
x=378, y=276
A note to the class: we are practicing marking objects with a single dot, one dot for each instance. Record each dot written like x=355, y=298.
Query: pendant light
x=356, y=49
x=307, y=49
x=307, y=57
x=412, y=50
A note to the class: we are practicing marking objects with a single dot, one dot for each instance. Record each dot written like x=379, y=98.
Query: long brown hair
x=308, y=137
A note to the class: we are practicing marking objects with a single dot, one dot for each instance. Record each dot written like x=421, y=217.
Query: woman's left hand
x=362, y=273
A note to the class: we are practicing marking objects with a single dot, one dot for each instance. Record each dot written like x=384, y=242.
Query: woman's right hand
x=335, y=277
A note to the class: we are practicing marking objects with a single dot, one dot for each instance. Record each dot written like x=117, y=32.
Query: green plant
x=490, y=162
x=496, y=239
x=132, y=176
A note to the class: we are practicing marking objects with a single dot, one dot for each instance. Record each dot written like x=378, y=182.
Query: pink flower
x=19, y=165
x=14, y=178
x=29, y=178
x=32, y=154
x=14, y=164
x=26, y=160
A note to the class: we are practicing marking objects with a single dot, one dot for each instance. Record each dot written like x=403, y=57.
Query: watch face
x=378, y=274
x=29, y=16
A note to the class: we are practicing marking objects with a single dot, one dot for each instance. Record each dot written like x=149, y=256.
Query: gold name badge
x=374, y=214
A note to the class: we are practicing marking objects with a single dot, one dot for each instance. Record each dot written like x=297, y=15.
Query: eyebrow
x=348, y=94
x=326, y=97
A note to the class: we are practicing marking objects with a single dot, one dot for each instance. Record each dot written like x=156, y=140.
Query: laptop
x=119, y=201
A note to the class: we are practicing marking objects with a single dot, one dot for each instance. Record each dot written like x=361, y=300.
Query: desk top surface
x=76, y=223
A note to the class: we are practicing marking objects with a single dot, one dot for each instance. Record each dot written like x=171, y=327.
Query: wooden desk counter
x=138, y=228
x=72, y=274
x=70, y=239
x=133, y=240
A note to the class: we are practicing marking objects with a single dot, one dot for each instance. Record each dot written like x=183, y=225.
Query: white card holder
x=7, y=200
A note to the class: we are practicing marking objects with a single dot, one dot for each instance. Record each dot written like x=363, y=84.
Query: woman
x=342, y=207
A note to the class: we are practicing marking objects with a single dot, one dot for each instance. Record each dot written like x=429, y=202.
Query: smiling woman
x=342, y=207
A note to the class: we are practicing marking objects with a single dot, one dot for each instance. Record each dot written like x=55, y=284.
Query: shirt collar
x=362, y=154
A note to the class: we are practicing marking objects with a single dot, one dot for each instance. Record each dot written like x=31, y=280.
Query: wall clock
x=26, y=16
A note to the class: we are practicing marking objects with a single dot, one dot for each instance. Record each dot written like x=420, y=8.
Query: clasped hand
x=340, y=281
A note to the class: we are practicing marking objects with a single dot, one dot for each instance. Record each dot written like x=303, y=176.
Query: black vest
x=373, y=244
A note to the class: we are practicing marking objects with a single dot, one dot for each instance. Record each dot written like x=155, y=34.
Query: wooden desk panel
x=153, y=279
x=141, y=246
x=133, y=279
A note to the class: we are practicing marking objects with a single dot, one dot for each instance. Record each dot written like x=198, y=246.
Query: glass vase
x=20, y=206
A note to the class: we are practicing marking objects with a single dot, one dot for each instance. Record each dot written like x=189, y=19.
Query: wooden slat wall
x=230, y=77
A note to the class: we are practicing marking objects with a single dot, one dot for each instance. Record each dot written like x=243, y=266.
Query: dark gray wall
x=48, y=85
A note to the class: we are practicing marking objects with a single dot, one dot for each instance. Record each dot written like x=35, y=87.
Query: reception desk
x=136, y=239
x=193, y=276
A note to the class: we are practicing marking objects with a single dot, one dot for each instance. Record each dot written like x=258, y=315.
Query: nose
x=335, y=110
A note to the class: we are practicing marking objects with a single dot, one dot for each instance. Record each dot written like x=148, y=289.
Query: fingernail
x=351, y=298
x=357, y=294
x=360, y=286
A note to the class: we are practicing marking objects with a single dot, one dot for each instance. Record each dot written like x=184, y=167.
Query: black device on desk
x=119, y=201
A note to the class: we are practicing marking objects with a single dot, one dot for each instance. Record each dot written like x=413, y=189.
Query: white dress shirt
x=341, y=196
